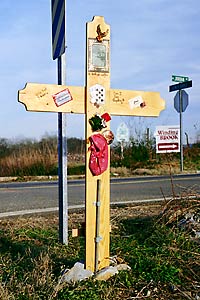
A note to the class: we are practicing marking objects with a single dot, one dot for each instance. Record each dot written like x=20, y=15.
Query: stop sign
x=184, y=96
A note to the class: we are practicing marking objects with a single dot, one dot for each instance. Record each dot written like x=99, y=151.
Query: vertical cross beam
x=97, y=72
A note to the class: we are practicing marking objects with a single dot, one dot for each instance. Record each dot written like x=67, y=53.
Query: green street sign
x=178, y=78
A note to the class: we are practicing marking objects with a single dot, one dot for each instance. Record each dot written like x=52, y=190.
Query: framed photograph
x=98, y=56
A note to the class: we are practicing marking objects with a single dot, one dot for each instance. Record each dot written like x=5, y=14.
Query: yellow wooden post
x=97, y=73
x=86, y=100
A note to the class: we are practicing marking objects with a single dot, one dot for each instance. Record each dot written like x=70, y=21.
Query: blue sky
x=150, y=41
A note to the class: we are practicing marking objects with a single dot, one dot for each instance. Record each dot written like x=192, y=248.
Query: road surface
x=43, y=196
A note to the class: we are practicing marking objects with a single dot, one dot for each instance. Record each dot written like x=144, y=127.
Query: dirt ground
x=118, y=213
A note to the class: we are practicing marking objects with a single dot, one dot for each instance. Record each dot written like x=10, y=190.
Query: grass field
x=164, y=257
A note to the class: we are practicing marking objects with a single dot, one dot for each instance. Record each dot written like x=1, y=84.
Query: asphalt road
x=39, y=196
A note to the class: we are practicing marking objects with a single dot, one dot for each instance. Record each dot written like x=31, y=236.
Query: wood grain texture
x=136, y=103
x=103, y=79
x=39, y=97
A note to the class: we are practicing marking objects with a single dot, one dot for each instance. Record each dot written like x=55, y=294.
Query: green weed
x=161, y=256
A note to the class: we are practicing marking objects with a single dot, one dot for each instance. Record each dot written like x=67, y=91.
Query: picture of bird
x=101, y=34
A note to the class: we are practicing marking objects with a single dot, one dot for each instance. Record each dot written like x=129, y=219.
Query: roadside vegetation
x=39, y=158
x=157, y=241
x=160, y=242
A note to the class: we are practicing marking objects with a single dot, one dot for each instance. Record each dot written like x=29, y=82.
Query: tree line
x=30, y=157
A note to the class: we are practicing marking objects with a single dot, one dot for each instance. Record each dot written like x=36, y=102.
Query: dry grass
x=26, y=159
x=164, y=258
x=41, y=158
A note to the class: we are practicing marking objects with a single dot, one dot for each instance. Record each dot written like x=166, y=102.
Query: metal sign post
x=181, y=131
x=58, y=47
x=181, y=106
x=62, y=161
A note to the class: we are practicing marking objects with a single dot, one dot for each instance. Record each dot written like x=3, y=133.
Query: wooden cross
x=95, y=98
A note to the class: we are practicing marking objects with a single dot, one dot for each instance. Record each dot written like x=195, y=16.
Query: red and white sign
x=167, y=139
x=62, y=97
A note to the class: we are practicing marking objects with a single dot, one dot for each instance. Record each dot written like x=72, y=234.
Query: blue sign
x=180, y=86
x=184, y=102
x=58, y=27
